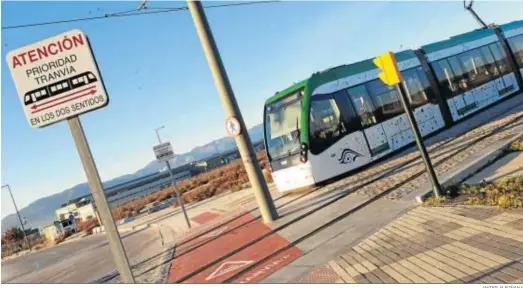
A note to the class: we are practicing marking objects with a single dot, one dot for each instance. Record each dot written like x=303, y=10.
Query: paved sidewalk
x=459, y=244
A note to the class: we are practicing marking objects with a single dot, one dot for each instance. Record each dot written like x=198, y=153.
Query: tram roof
x=511, y=25
x=337, y=72
x=457, y=40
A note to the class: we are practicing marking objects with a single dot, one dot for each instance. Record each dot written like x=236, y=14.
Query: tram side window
x=490, y=63
x=363, y=105
x=325, y=123
x=474, y=68
x=500, y=56
x=418, y=86
x=516, y=44
x=445, y=76
x=460, y=77
x=386, y=99
x=349, y=118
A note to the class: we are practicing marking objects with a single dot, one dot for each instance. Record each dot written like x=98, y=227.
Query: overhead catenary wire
x=156, y=10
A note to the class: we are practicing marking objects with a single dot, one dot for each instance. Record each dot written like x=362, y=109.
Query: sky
x=156, y=74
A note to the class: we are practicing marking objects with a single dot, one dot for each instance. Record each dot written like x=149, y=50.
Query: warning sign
x=57, y=78
x=163, y=152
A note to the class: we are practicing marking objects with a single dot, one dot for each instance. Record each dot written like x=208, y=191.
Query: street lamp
x=158, y=134
x=18, y=214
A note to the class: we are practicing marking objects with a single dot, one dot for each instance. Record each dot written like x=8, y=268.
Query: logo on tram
x=348, y=156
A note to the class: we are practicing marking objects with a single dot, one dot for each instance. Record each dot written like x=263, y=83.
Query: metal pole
x=180, y=200
x=261, y=191
x=93, y=178
x=18, y=214
x=158, y=134
x=403, y=91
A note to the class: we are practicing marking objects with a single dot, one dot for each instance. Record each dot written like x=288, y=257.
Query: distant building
x=225, y=158
x=81, y=210
x=132, y=190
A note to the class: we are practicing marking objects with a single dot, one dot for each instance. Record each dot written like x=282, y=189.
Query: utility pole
x=404, y=93
x=232, y=112
x=178, y=195
x=93, y=178
x=19, y=218
x=474, y=14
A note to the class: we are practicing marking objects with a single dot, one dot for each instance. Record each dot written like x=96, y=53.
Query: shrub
x=505, y=193
x=224, y=179
x=88, y=225
x=59, y=239
x=517, y=145
x=432, y=201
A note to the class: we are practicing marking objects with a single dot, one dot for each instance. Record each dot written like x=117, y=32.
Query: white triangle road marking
x=227, y=267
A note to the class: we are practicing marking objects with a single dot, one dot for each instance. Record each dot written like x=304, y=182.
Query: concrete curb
x=123, y=230
x=464, y=172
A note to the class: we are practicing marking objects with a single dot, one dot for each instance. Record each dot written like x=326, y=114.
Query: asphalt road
x=80, y=261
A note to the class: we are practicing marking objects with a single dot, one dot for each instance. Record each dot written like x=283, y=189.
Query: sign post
x=58, y=79
x=164, y=152
x=234, y=123
x=391, y=75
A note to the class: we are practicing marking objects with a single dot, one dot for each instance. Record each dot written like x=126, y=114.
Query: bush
x=517, y=145
x=505, y=193
x=88, y=225
x=222, y=180
x=433, y=201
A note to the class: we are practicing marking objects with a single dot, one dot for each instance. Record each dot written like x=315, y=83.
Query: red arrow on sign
x=55, y=104
x=35, y=106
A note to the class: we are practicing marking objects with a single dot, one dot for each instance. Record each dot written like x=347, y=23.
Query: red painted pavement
x=204, y=251
x=205, y=217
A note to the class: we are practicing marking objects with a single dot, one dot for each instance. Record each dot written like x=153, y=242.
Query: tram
x=345, y=118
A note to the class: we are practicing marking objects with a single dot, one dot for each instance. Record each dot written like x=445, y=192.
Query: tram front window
x=282, y=126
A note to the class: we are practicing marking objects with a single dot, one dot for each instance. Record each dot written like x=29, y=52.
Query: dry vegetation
x=432, y=201
x=230, y=178
x=88, y=225
x=505, y=194
x=517, y=145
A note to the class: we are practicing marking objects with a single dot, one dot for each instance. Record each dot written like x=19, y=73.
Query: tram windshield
x=282, y=126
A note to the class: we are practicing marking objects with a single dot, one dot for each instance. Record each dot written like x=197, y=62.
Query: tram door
x=374, y=134
x=337, y=144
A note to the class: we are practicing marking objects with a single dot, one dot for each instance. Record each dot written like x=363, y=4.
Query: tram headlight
x=303, y=158
x=303, y=153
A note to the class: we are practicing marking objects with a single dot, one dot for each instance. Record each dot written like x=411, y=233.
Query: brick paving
x=458, y=244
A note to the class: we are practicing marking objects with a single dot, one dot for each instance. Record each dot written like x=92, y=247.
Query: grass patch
x=434, y=201
x=516, y=145
x=505, y=193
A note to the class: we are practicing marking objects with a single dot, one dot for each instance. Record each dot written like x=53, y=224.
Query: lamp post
x=180, y=200
x=18, y=214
